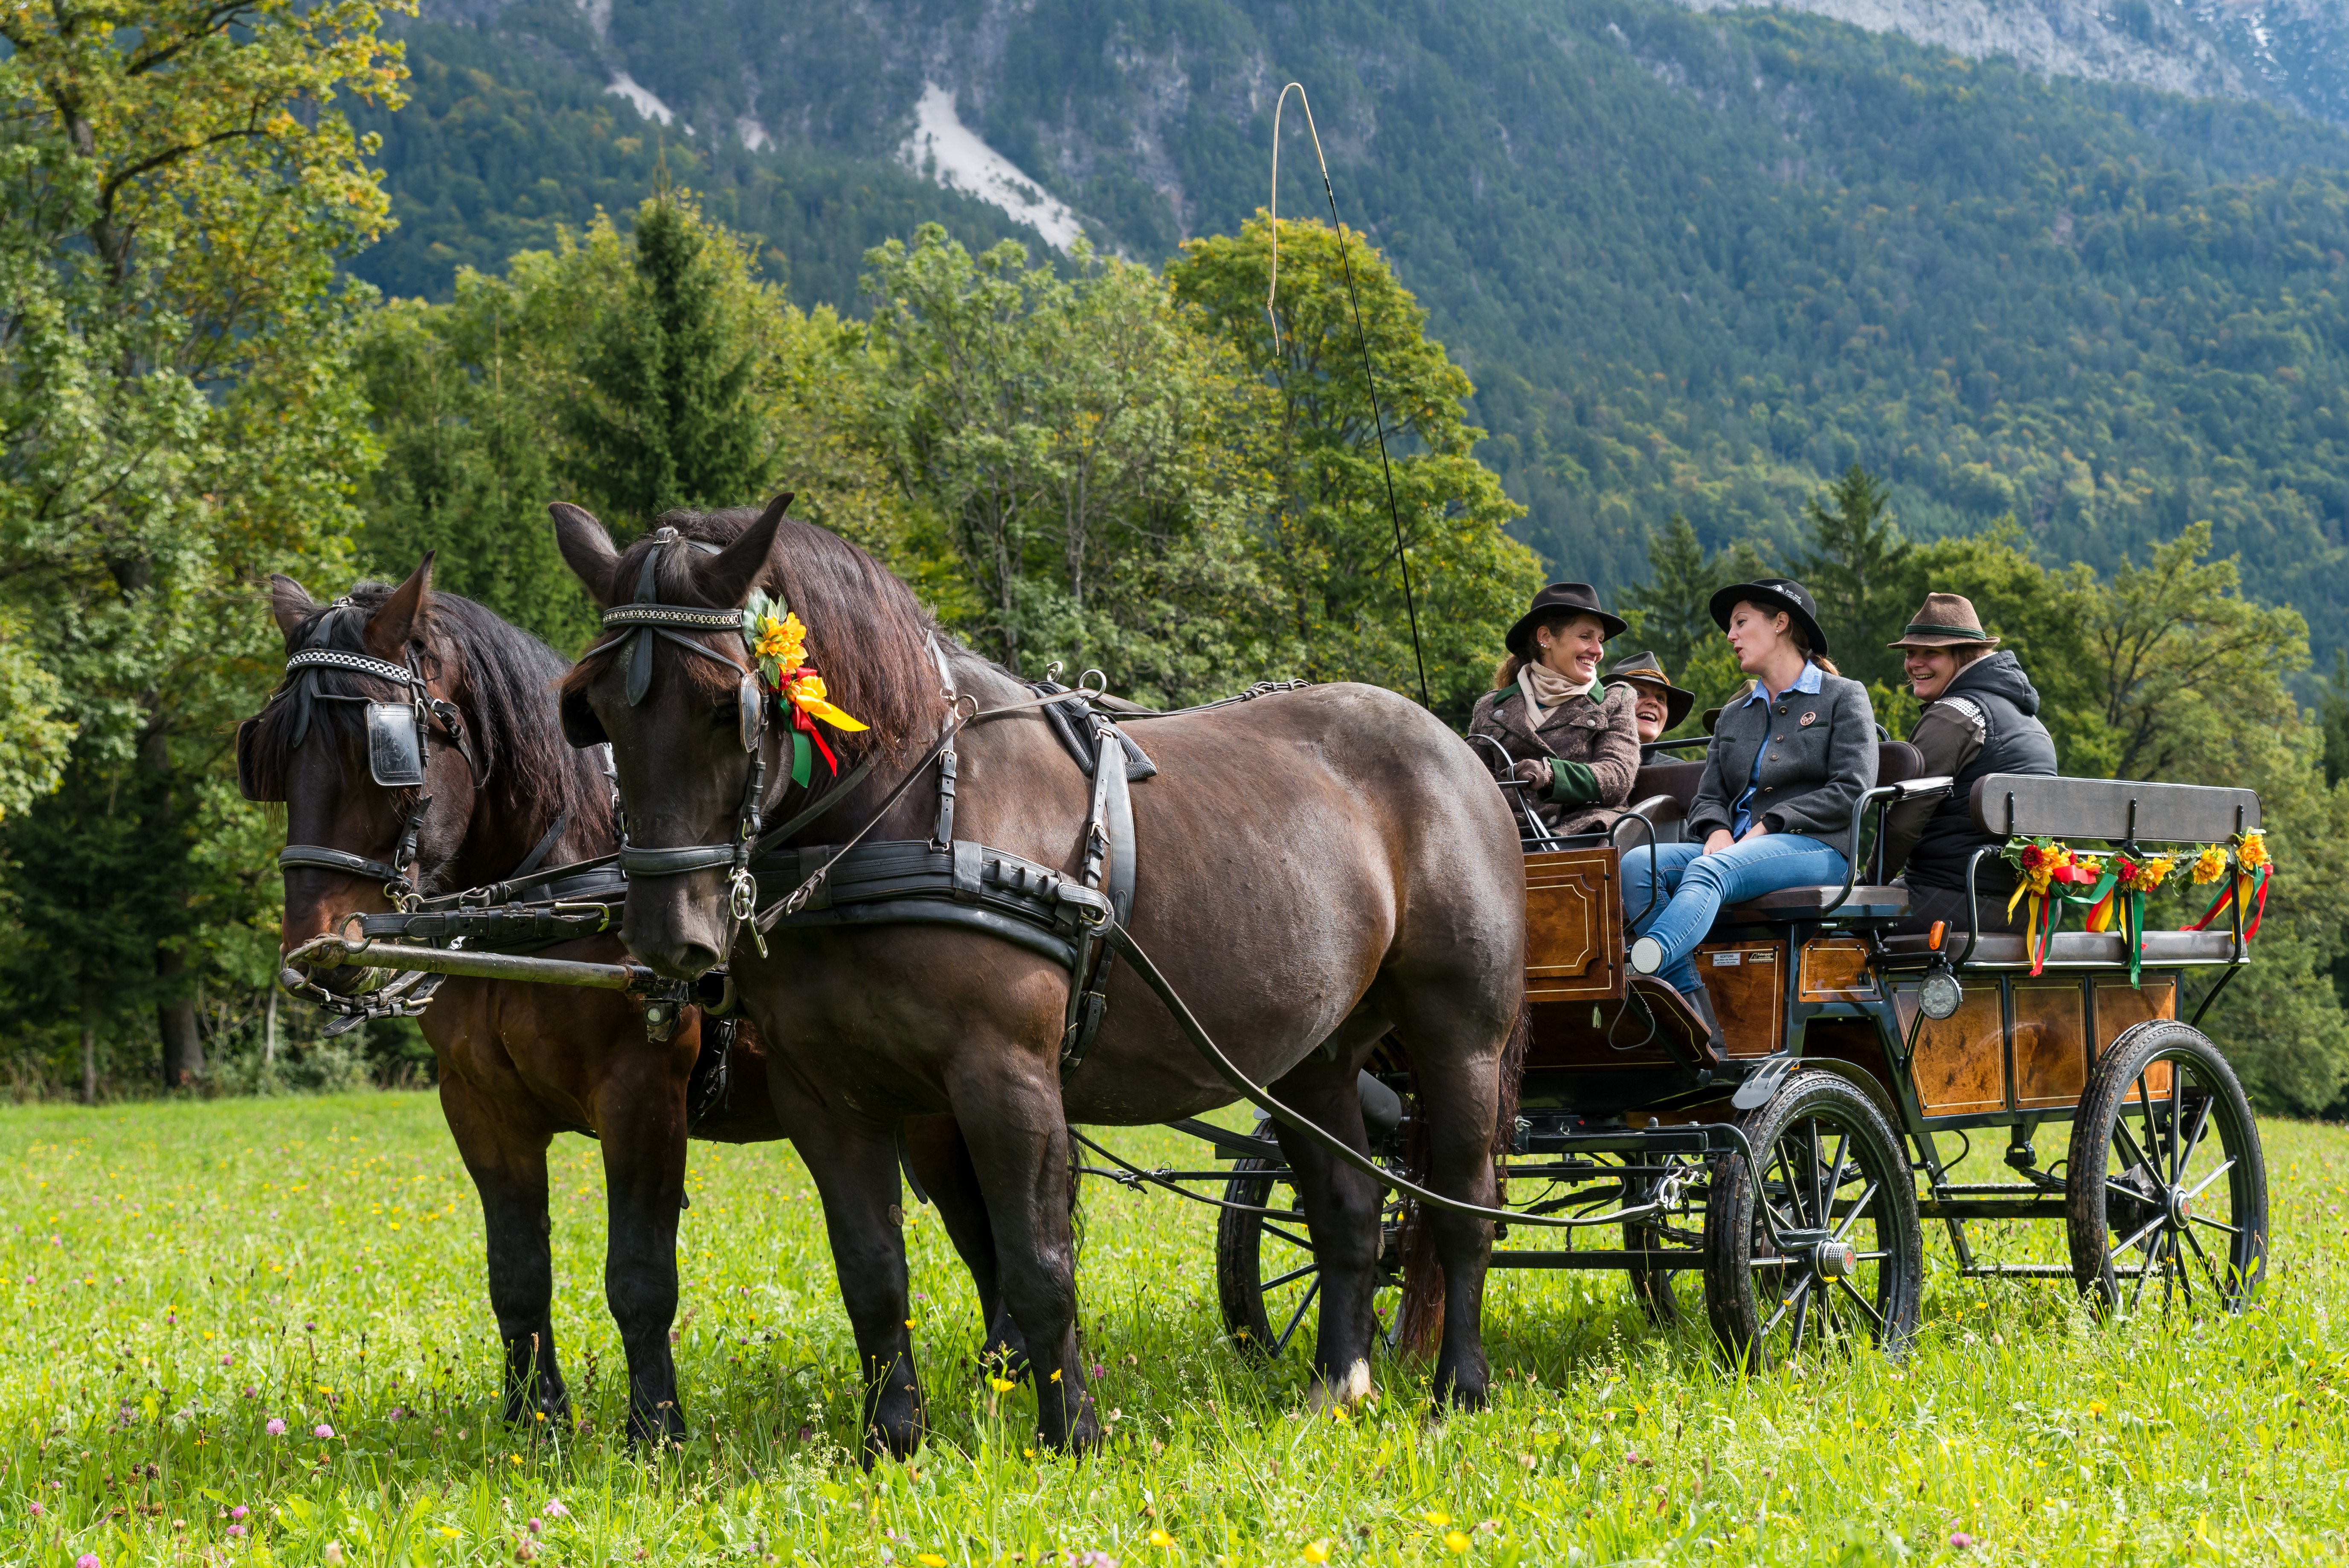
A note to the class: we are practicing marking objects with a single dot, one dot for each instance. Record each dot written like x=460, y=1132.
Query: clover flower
x=276, y=1428
x=323, y=1430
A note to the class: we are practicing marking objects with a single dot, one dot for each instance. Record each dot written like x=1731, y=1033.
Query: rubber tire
x=1738, y=1312
x=2087, y=1211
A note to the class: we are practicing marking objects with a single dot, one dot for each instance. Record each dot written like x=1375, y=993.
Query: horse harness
x=940, y=881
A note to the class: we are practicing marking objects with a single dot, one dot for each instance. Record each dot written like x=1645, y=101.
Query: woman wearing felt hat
x=1657, y=703
x=1788, y=763
x=1572, y=742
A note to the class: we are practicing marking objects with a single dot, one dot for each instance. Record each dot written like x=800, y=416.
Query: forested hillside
x=1692, y=263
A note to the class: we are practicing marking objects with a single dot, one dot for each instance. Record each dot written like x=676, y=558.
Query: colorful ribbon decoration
x=2247, y=889
x=2048, y=868
x=777, y=639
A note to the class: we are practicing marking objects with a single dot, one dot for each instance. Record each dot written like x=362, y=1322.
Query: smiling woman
x=1565, y=747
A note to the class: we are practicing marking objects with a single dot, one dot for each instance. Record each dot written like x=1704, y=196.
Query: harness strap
x=530, y=862
x=319, y=858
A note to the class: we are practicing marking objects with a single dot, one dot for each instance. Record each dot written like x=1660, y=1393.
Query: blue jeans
x=1693, y=886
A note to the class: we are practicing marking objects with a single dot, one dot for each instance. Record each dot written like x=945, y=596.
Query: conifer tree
x=671, y=420
x=1852, y=567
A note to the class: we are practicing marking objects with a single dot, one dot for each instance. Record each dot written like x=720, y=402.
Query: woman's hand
x=1534, y=771
x=1756, y=830
x=1717, y=841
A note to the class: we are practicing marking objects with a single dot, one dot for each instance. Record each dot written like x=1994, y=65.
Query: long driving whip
x=1362, y=335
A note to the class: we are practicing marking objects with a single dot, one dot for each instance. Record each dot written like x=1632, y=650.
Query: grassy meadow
x=175, y=1277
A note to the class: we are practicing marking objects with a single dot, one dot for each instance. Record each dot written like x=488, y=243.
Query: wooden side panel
x=1960, y=1066
x=2051, y=1044
x=1574, y=926
x=1748, y=981
x=1835, y=969
x=2121, y=1006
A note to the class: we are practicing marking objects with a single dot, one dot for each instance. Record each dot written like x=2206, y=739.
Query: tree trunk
x=175, y=1019
x=88, y=1041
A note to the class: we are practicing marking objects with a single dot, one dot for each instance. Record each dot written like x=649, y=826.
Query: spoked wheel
x=1815, y=1246
x=1266, y=1275
x=1671, y=1295
x=2167, y=1181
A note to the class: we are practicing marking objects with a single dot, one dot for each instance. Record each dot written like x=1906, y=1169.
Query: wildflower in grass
x=1317, y=1551
x=1001, y=1385
x=1454, y=1541
x=1960, y=1541
x=276, y=1428
x=1161, y=1540
x=228, y=1360
x=334, y=1554
x=554, y=1509
x=38, y=1511
x=236, y=1532
x=931, y=1559
x=1437, y=1517
x=1092, y=1560
x=1099, y=1370
x=323, y=1431
x=239, y=1512
x=87, y=1560
x=537, y=1526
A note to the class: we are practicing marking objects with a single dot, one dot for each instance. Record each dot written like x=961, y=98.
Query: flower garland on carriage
x=2112, y=888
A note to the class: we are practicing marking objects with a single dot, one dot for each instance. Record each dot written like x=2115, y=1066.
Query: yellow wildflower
x=1317, y=1551
x=1160, y=1539
x=1456, y=1541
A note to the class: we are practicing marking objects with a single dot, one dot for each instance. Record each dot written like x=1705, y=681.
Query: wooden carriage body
x=1792, y=977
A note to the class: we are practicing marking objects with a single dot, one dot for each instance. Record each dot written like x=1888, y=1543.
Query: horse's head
x=681, y=705
x=358, y=754
x=685, y=751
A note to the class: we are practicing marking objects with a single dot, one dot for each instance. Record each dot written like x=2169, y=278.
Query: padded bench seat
x=2081, y=948
x=1790, y=904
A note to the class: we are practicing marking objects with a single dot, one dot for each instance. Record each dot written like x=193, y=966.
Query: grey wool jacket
x=1819, y=757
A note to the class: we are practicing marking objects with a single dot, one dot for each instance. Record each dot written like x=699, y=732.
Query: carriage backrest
x=2040, y=806
x=1897, y=762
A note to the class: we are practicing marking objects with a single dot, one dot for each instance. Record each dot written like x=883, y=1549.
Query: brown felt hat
x=1647, y=669
x=1946, y=621
x=1557, y=601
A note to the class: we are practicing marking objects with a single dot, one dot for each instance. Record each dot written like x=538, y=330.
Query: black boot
x=1701, y=1000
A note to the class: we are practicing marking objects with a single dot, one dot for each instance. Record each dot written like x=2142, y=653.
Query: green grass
x=175, y=1275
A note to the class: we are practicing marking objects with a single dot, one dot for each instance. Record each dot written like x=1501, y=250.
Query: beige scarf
x=1544, y=689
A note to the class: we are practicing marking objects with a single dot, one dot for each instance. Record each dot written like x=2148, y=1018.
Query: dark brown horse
x=1313, y=869
x=518, y=1063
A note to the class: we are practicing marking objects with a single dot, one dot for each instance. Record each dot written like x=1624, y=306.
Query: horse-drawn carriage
x=1781, y=1183
x=1770, y=1175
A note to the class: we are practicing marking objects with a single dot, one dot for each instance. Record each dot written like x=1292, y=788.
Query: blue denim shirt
x=1808, y=683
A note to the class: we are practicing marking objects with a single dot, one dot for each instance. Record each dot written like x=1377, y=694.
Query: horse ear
x=390, y=627
x=580, y=725
x=586, y=546
x=289, y=603
x=728, y=576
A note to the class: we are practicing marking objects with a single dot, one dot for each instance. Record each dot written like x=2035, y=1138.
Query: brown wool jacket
x=1600, y=741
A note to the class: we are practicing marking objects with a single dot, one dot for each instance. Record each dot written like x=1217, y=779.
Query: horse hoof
x=1349, y=1390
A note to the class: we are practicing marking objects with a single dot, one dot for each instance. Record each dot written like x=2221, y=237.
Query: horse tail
x=1419, y=1321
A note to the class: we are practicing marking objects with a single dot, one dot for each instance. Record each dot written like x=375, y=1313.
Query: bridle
x=398, y=752
x=638, y=626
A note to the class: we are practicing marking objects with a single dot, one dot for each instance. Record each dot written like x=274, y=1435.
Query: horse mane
x=866, y=632
x=506, y=688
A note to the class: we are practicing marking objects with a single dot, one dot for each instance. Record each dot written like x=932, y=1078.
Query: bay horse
x=519, y=1062
x=1313, y=869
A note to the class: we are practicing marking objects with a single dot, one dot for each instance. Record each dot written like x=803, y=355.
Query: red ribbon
x=803, y=723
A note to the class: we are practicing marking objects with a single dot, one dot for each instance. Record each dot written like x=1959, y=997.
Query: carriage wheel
x=2167, y=1180
x=1815, y=1246
x=1266, y=1275
x=1670, y=1296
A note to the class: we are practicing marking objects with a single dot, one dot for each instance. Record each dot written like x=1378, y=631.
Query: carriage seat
x=1897, y=762
x=2071, y=948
